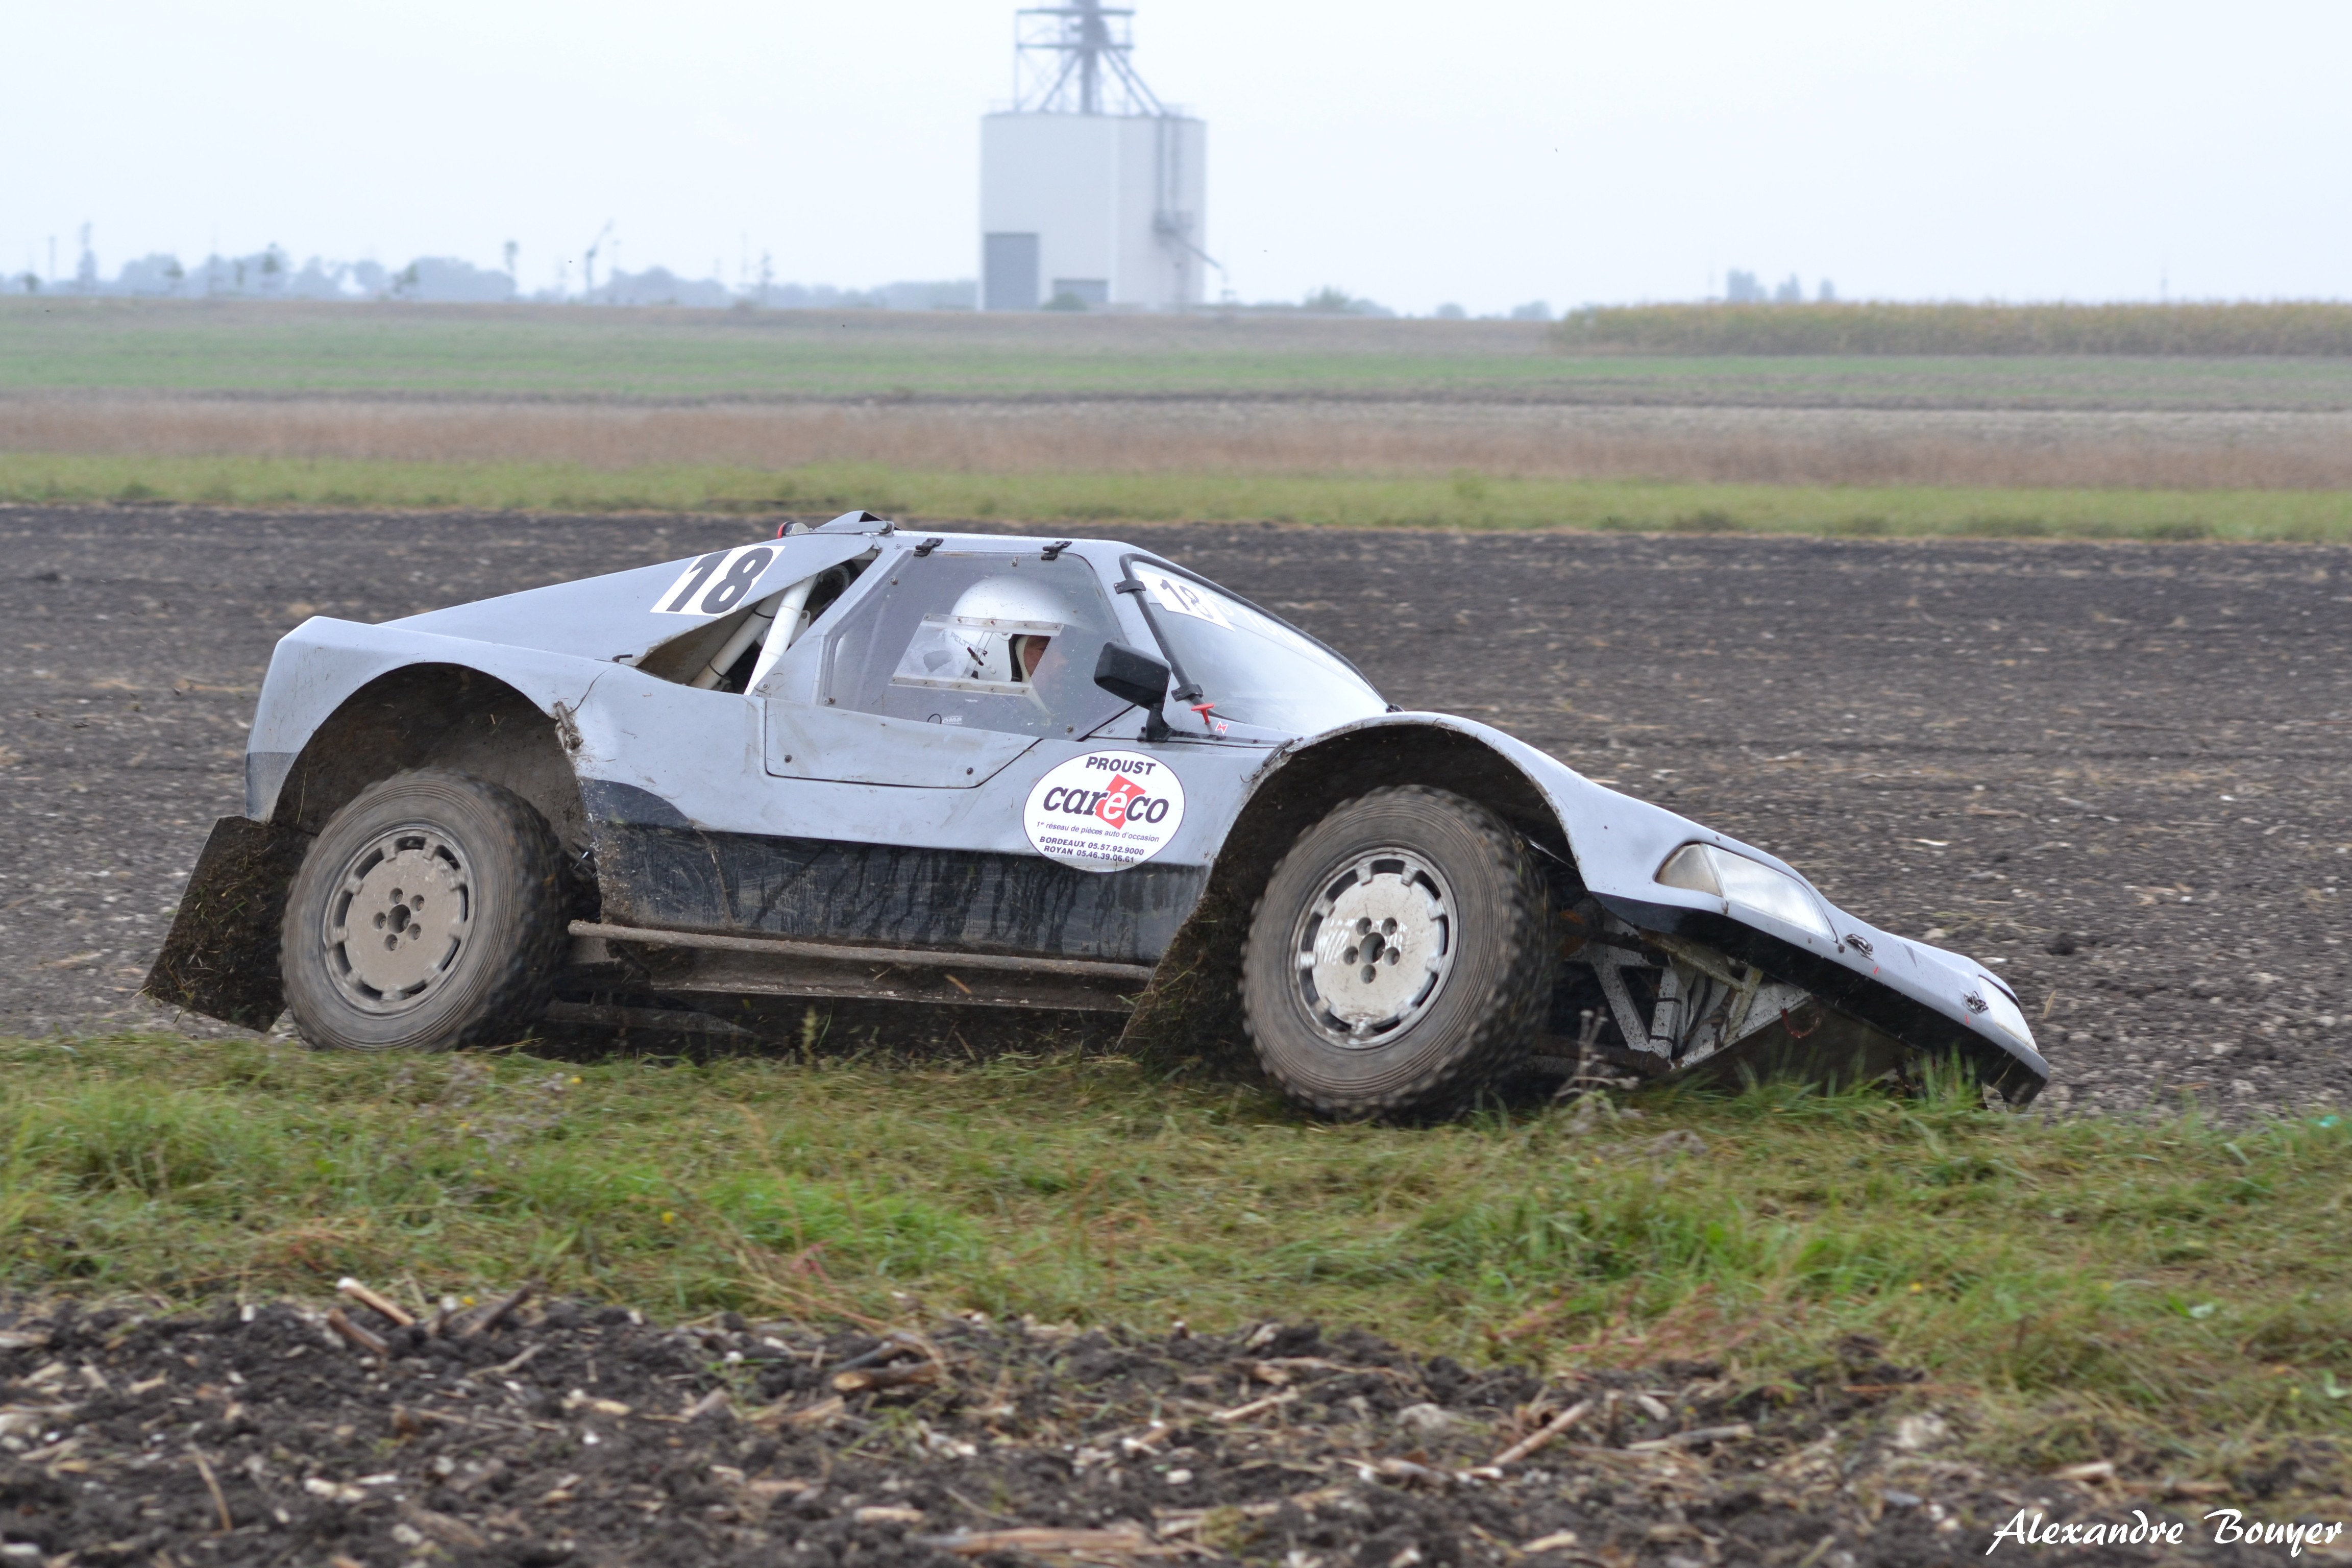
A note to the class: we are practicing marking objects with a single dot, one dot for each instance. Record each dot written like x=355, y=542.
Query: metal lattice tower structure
x=1072, y=59
x=1093, y=192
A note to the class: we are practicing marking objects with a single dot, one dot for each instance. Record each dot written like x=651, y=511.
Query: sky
x=1565, y=150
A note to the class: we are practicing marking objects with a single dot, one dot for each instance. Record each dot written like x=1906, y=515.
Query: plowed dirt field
x=2122, y=771
x=588, y=1437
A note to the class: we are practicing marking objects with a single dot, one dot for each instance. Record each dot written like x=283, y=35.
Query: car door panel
x=841, y=746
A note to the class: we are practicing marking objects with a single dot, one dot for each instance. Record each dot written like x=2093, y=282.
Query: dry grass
x=2142, y=450
x=2303, y=328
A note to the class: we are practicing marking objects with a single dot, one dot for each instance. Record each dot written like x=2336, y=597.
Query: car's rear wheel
x=1399, y=959
x=428, y=915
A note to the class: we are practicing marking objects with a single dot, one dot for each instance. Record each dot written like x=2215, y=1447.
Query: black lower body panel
x=684, y=879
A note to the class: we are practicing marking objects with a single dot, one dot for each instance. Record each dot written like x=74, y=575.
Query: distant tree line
x=270, y=274
x=2304, y=329
x=1747, y=289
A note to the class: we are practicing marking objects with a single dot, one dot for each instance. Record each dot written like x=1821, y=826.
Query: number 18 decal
x=715, y=583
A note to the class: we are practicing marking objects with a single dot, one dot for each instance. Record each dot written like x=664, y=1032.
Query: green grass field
x=2084, y=1288
x=51, y=345
x=1105, y=500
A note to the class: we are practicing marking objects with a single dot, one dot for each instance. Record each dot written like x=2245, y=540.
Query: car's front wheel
x=1400, y=958
x=428, y=915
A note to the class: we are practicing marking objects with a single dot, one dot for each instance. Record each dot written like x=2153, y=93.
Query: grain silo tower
x=1090, y=188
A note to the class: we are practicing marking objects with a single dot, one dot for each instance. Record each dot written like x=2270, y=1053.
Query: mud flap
x=221, y=959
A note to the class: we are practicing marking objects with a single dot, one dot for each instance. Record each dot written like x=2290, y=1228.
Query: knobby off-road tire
x=429, y=915
x=1401, y=958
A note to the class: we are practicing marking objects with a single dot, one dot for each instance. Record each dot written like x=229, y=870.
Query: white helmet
x=979, y=624
x=1012, y=597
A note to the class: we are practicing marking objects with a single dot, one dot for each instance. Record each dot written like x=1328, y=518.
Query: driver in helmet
x=996, y=623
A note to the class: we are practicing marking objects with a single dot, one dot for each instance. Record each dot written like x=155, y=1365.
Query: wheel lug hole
x=1388, y=927
x=1370, y=973
x=1351, y=955
x=1362, y=926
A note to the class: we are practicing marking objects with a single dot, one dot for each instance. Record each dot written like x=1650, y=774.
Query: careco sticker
x=1105, y=811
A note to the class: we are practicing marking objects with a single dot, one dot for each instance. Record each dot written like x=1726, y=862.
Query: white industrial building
x=1092, y=193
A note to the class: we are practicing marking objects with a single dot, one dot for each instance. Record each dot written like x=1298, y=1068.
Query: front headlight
x=1704, y=868
x=1992, y=1002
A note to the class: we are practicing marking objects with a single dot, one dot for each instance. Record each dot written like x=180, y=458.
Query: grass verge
x=2092, y=1288
x=1464, y=500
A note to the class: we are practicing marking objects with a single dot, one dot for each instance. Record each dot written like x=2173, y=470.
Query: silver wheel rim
x=1371, y=954
x=399, y=918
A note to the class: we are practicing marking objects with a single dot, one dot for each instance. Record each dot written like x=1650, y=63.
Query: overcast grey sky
x=1573, y=151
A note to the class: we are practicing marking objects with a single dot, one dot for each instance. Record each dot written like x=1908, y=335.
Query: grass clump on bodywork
x=2088, y=1287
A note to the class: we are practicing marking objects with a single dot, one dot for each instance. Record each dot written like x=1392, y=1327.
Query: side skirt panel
x=678, y=963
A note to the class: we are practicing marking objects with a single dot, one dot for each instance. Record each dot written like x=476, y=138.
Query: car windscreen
x=1255, y=669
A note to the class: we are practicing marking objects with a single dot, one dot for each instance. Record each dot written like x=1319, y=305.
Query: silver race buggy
x=857, y=762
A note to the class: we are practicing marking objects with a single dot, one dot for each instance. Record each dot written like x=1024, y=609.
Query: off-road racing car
x=985, y=772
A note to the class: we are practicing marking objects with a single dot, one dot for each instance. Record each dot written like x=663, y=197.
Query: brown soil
x=2123, y=771
x=261, y=1435
x=1593, y=434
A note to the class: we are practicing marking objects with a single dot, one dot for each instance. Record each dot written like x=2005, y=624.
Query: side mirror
x=1132, y=675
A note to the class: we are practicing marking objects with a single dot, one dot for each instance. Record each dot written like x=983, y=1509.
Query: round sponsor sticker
x=1105, y=811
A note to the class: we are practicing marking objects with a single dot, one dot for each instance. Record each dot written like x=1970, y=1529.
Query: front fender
x=1918, y=994
x=1927, y=997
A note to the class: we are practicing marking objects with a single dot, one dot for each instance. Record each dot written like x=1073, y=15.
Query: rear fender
x=339, y=682
x=341, y=709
